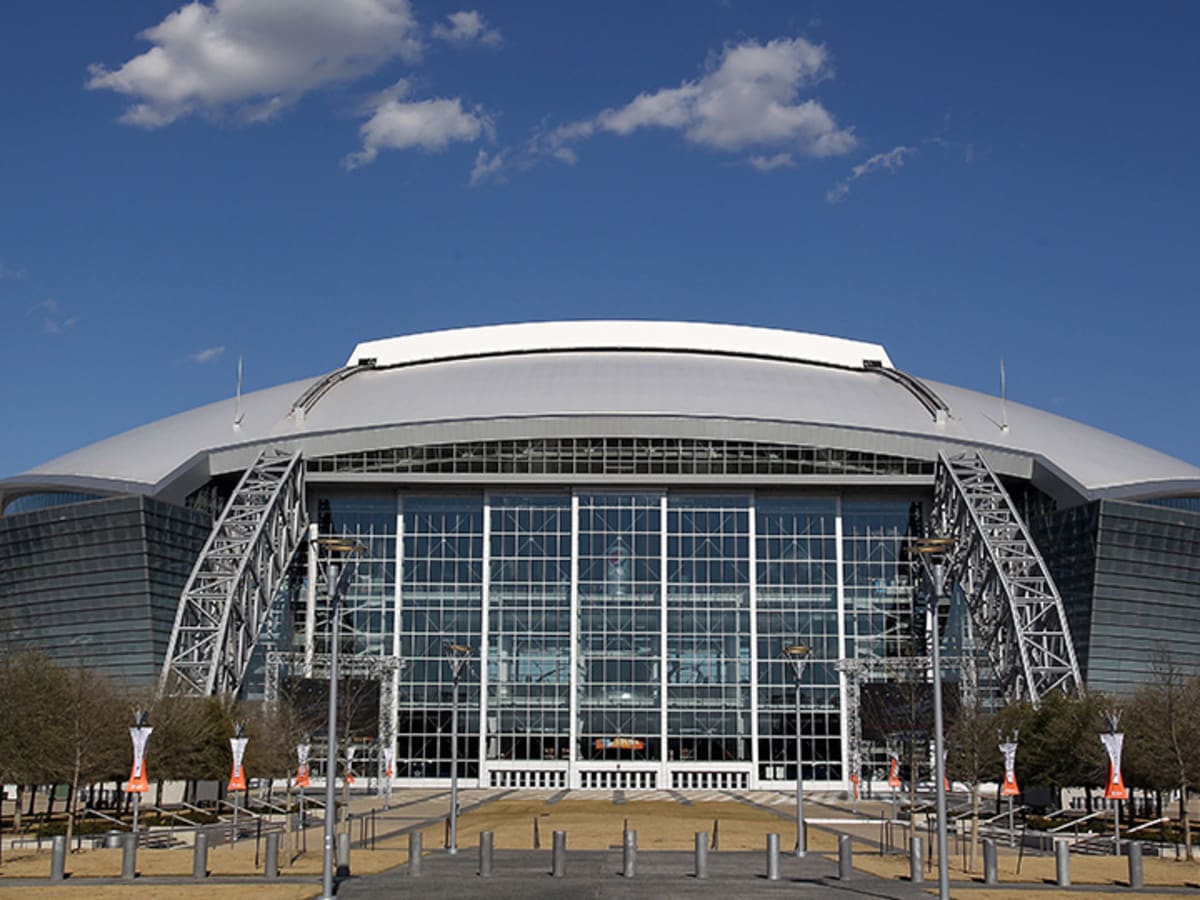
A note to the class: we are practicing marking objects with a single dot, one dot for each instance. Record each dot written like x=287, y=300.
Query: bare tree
x=1162, y=719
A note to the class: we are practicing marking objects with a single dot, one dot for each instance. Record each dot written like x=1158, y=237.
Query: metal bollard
x=629, y=854
x=200, y=855
x=129, y=856
x=1062, y=862
x=271, y=861
x=343, y=854
x=991, y=869
x=486, y=853
x=916, y=861
x=772, y=857
x=701, y=854
x=558, y=866
x=414, y=854
x=58, y=858
x=845, y=857
x=1136, y=875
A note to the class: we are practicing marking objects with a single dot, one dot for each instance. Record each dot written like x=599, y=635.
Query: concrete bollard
x=129, y=856
x=845, y=857
x=1136, y=875
x=991, y=868
x=343, y=854
x=629, y=854
x=701, y=854
x=558, y=863
x=200, y=855
x=271, y=859
x=58, y=858
x=1062, y=862
x=916, y=861
x=487, y=845
x=772, y=857
x=414, y=854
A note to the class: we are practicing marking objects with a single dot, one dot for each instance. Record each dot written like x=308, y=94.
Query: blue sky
x=279, y=179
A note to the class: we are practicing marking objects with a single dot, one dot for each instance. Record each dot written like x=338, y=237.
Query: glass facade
x=621, y=638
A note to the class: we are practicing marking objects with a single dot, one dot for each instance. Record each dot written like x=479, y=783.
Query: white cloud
x=488, y=167
x=431, y=125
x=252, y=58
x=468, y=27
x=51, y=314
x=891, y=161
x=749, y=97
x=7, y=272
x=771, y=163
x=206, y=355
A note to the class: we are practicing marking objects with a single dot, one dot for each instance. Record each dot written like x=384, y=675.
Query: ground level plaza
x=618, y=640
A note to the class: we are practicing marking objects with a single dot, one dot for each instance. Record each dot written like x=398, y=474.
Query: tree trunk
x=1186, y=820
x=32, y=798
x=17, y=809
x=74, y=792
x=974, y=824
x=50, y=802
x=158, y=793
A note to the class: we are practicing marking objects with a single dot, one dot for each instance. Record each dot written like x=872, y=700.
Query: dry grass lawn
x=591, y=824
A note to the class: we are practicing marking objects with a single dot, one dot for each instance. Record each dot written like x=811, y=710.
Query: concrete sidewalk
x=525, y=875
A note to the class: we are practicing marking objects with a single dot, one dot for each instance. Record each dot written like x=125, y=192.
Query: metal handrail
x=1138, y=828
x=1064, y=827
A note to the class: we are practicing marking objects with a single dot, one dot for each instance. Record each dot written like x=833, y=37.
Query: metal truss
x=244, y=563
x=1015, y=607
x=375, y=668
x=859, y=670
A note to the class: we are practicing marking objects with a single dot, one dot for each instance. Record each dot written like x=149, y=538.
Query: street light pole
x=797, y=655
x=333, y=581
x=456, y=655
x=932, y=552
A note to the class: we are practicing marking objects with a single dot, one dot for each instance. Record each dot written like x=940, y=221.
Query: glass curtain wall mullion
x=752, y=525
x=485, y=656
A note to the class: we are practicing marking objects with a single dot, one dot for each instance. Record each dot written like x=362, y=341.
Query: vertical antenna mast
x=1003, y=397
x=238, y=415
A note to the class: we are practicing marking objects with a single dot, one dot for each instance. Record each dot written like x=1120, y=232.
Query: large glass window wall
x=708, y=629
x=529, y=628
x=620, y=626
x=798, y=605
x=441, y=602
x=574, y=657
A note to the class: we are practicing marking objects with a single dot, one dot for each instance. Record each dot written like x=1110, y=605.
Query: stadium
x=635, y=533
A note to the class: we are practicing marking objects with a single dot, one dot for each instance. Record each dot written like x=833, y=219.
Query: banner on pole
x=1114, y=787
x=302, y=751
x=893, y=770
x=1009, y=788
x=350, y=763
x=138, y=783
x=237, y=778
x=389, y=761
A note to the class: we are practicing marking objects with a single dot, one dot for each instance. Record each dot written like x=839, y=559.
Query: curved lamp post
x=797, y=656
x=334, y=579
x=457, y=656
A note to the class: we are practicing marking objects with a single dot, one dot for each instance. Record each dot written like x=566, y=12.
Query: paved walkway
x=525, y=875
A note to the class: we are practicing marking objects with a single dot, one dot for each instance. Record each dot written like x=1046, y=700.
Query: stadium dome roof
x=622, y=378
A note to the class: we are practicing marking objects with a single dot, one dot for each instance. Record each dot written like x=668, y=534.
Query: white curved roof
x=684, y=337
x=512, y=388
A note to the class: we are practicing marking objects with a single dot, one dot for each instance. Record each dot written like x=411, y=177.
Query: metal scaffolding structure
x=1015, y=607
x=229, y=594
